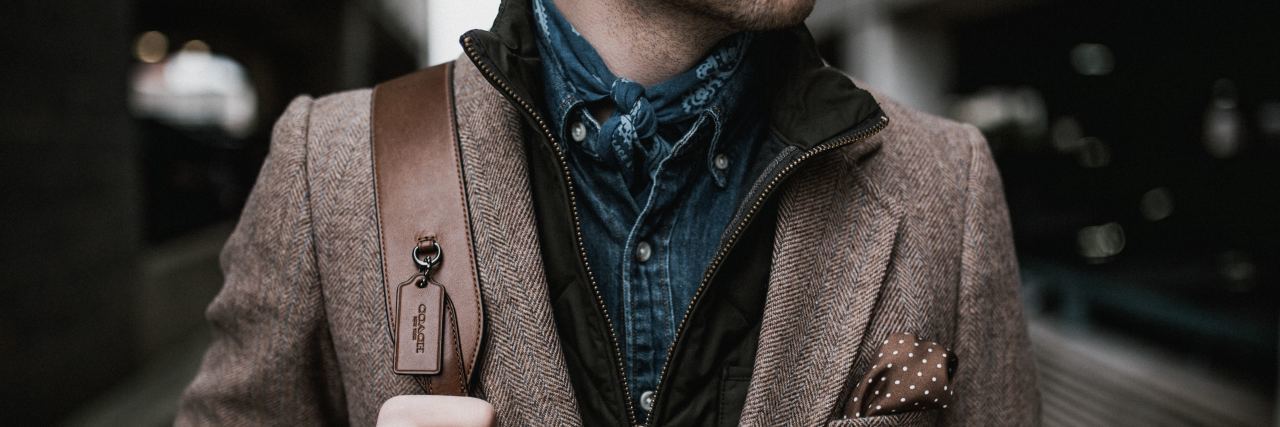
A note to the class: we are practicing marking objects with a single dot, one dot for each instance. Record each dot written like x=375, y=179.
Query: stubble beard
x=746, y=15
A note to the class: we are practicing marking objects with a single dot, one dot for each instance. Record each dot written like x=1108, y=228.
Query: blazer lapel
x=834, y=240
x=523, y=373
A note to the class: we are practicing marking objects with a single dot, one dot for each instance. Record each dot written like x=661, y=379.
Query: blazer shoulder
x=341, y=120
x=327, y=141
x=924, y=157
x=331, y=121
x=920, y=136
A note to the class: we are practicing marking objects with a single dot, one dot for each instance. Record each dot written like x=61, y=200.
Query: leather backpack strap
x=421, y=201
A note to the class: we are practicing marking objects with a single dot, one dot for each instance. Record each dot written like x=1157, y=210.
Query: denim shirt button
x=646, y=400
x=643, y=251
x=721, y=161
x=578, y=131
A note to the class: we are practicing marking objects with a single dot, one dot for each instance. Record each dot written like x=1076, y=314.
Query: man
x=681, y=216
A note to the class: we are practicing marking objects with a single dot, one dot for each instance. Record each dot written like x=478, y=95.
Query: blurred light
x=196, y=46
x=1068, y=138
x=197, y=89
x=1092, y=59
x=1022, y=109
x=1269, y=119
x=1093, y=153
x=1224, y=93
x=151, y=47
x=1099, y=242
x=1238, y=269
x=1223, y=124
x=1067, y=135
x=1157, y=204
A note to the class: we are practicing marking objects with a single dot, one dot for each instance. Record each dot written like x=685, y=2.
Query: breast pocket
x=911, y=419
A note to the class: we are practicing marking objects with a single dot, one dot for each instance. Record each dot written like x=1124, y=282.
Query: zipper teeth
x=469, y=44
x=737, y=232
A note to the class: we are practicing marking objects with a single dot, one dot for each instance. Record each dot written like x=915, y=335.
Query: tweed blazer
x=906, y=231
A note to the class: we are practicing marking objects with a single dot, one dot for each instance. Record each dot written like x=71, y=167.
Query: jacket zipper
x=742, y=224
x=721, y=253
x=469, y=46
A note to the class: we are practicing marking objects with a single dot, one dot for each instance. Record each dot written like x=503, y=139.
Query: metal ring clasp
x=432, y=260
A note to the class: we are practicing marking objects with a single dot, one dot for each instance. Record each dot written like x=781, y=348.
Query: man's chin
x=760, y=15
x=750, y=15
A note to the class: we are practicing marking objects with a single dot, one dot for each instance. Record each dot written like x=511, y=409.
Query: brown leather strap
x=420, y=192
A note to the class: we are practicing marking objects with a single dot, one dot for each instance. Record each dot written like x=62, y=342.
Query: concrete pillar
x=909, y=60
x=69, y=219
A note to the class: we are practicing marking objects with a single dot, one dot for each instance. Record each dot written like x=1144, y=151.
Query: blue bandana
x=639, y=111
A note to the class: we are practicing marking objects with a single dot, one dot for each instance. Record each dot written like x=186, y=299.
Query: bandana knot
x=633, y=109
x=629, y=137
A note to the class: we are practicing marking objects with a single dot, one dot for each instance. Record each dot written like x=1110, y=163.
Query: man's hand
x=432, y=411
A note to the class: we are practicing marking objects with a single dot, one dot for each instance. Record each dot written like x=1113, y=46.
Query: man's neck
x=646, y=41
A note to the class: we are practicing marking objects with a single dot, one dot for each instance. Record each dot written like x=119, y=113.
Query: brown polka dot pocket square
x=910, y=374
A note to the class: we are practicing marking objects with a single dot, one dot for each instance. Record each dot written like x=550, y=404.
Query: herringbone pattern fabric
x=345, y=231
x=524, y=374
x=270, y=308
x=834, y=241
x=908, y=419
x=904, y=232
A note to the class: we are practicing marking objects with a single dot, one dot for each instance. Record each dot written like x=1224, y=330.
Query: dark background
x=1138, y=146
x=1201, y=281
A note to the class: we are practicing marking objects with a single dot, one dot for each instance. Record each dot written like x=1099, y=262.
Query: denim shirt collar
x=809, y=101
x=710, y=120
x=707, y=106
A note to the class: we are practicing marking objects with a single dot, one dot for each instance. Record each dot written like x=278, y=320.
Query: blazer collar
x=835, y=238
x=522, y=369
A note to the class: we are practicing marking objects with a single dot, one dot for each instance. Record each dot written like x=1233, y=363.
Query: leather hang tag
x=420, y=189
x=419, y=327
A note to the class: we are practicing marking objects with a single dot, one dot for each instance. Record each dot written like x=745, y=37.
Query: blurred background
x=1138, y=145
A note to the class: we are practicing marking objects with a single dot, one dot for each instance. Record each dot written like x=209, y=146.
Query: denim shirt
x=649, y=244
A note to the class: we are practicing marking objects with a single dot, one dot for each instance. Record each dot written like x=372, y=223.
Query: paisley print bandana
x=640, y=111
